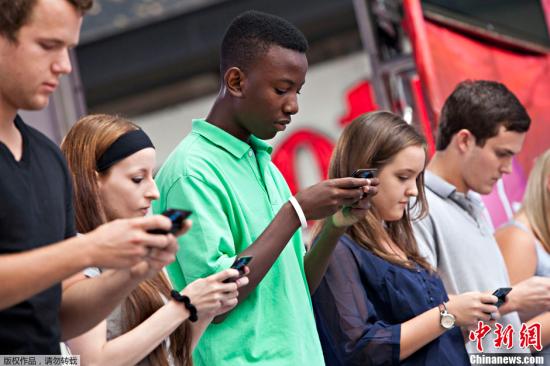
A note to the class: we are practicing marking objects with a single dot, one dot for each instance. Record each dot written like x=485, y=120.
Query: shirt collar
x=444, y=189
x=228, y=142
x=438, y=185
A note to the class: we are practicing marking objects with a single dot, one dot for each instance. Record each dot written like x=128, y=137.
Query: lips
x=50, y=86
x=281, y=125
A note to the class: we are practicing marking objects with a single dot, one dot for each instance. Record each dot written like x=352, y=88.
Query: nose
x=152, y=192
x=291, y=105
x=506, y=168
x=62, y=65
x=412, y=190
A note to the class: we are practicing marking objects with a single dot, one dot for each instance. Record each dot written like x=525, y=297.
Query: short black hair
x=481, y=107
x=250, y=35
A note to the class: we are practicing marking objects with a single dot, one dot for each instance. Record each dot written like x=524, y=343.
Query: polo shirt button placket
x=250, y=153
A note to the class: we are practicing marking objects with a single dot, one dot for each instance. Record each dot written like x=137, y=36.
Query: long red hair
x=85, y=143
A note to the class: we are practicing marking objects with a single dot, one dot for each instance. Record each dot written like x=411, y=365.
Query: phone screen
x=365, y=173
x=240, y=263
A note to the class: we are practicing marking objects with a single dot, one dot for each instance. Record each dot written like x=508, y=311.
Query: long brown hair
x=85, y=143
x=373, y=140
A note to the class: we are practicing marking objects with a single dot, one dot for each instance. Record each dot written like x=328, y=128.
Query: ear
x=234, y=79
x=464, y=140
x=548, y=182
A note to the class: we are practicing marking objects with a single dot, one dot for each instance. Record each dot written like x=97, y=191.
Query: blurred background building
x=156, y=62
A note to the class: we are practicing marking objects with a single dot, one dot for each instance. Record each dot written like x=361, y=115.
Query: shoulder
x=510, y=237
x=44, y=149
x=355, y=254
x=194, y=157
x=40, y=141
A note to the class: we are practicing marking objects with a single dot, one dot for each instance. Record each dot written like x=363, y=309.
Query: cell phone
x=177, y=217
x=501, y=294
x=365, y=173
x=239, y=264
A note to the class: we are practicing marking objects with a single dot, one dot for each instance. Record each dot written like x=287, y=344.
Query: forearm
x=197, y=330
x=134, y=345
x=267, y=248
x=544, y=321
x=87, y=302
x=317, y=259
x=25, y=274
x=419, y=331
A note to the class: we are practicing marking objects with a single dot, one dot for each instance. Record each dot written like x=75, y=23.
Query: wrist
x=299, y=211
x=186, y=302
x=177, y=310
x=447, y=320
x=510, y=305
x=290, y=214
x=87, y=250
x=332, y=227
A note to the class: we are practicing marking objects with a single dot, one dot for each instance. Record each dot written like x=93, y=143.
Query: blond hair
x=536, y=201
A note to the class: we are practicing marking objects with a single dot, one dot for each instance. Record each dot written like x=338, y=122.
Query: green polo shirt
x=235, y=191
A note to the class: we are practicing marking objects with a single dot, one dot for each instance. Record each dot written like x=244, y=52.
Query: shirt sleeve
x=350, y=329
x=208, y=247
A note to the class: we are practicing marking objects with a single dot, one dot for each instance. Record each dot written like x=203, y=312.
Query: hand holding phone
x=501, y=294
x=177, y=217
x=239, y=264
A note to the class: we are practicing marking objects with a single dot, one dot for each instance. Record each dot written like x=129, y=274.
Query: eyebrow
x=408, y=170
x=58, y=42
x=291, y=82
x=506, y=151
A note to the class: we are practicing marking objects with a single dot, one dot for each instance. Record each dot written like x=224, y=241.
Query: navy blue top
x=362, y=301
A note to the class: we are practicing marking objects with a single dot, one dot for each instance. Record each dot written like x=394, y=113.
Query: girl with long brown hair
x=111, y=161
x=380, y=303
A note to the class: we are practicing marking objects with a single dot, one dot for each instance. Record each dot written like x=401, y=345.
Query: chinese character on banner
x=478, y=334
x=504, y=336
x=530, y=336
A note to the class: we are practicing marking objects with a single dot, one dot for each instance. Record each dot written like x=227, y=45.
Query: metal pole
x=364, y=22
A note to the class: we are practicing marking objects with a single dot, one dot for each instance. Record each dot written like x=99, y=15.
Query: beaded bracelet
x=187, y=303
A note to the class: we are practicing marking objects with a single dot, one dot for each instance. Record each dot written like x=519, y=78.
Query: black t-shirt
x=35, y=210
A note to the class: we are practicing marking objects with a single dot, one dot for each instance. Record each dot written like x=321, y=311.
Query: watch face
x=447, y=321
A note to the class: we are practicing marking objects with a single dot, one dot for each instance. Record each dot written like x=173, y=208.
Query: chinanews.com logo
x=503, y=338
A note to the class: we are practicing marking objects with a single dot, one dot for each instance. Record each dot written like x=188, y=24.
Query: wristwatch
x=446, y=320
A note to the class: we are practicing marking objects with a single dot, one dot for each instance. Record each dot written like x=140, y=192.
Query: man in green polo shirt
x=223, y=172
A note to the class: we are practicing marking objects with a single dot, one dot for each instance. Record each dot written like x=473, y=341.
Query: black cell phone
x=177, y=217
x=239, y=264
x=501, y=294
x=365, y=173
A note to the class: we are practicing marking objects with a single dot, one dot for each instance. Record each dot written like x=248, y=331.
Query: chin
x=485, y=190
x=36, y=104
x=266, y=136
x=394, y=216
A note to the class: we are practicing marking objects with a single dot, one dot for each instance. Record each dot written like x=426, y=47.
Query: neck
x=445, y=166
x=222, y=115
x=7, y=115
